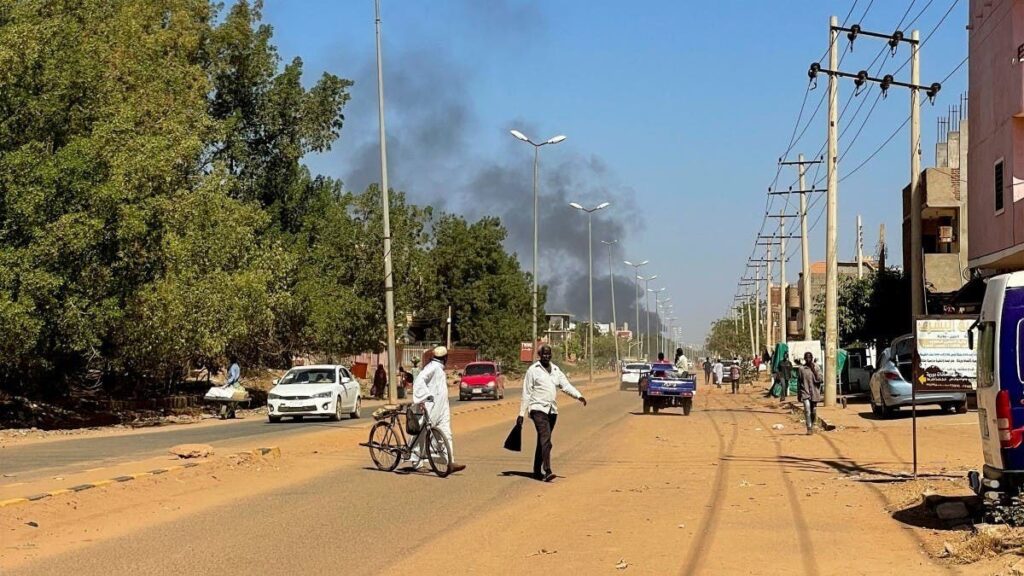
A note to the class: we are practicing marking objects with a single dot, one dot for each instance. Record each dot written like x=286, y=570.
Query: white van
x=1001, y=390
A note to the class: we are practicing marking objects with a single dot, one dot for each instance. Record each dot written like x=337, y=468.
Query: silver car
x=891, y=389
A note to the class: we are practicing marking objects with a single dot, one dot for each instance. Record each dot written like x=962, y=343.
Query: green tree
x=488, y=292
x=871, y=309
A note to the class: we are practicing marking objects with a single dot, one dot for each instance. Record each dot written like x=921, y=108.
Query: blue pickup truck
x=664, y=387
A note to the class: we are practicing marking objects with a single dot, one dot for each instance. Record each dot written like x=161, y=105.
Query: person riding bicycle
x=432, y=381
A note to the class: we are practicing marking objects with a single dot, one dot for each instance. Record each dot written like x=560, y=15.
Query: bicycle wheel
x=440, y=453
x=384, y=449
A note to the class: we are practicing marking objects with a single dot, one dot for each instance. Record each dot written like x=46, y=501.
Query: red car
x=481, y=380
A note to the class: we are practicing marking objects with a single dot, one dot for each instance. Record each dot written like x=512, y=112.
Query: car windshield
x=636, y=367
x=309, y=376
x=479, y=369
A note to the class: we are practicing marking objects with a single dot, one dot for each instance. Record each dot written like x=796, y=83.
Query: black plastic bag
x=514, y=442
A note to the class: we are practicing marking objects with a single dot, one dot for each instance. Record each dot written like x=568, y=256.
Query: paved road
x=660, y=494
x=30, y=461
x=356, y=520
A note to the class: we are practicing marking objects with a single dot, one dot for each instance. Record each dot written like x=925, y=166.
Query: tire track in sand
x=803, y=532
x=709, y=523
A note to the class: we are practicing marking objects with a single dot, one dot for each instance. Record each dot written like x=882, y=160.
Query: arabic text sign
x=944, y=359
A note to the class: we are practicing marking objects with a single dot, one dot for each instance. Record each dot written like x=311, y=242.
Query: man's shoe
x=810, y=431
x=537, y=474
x=550, y=477
x=456, y=468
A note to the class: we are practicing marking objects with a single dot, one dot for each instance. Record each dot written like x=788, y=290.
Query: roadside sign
x=944, y=361
x=526, y=352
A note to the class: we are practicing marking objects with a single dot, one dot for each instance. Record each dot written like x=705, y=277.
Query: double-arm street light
x=646, y=348
x=590, y=264
x=536, y=163
x=636, y=274
x=611, y=279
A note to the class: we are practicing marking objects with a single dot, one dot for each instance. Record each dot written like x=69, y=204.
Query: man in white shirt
x=540, y=388
x=433, y=381
x=719, y=371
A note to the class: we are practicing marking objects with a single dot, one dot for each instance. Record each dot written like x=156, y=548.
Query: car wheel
x=336, y=417
x=647, y=406
x=274, y=419
x=876, y=409
x=961, y=408
x=357, y=411
x=888, y=412
x=687, y=406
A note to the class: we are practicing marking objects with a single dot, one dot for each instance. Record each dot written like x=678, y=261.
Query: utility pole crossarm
x=791, y=191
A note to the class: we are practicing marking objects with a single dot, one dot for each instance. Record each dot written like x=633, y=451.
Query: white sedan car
x=326, y=390
x=630, y=377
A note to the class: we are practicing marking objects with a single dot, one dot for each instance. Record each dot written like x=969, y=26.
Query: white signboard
x=944, y=359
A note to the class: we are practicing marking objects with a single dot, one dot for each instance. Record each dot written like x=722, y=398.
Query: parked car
x=324, y=390
x=891, y=388
x=481, y=380
x=630, y=377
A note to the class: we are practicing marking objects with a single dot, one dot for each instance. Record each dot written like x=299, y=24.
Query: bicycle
x=389, y=444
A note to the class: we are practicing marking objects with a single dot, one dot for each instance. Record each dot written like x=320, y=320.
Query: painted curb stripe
x=273, y=451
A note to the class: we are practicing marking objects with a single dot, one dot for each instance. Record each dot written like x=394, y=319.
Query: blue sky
x=676, y=112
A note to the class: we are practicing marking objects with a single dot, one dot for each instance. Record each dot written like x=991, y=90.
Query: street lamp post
x=615, y=321
x=536, y=163
x=647, y=308
x=389, y=289
x=657, y=293
x=590, y=265
x=636, y=274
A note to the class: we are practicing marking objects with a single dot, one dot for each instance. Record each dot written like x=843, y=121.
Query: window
x=999, y=185
x=986, y=354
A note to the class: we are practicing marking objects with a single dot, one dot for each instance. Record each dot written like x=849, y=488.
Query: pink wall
x=996, y=114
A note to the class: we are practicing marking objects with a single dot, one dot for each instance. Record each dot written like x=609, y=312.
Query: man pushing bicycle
x=432, y=381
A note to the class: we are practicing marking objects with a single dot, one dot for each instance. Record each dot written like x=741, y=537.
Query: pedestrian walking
x=380, y=382
x=707, y=371
x=809, y=394
x=718, y=370
x=540, y=390
x=432, y=381
x=734, y=376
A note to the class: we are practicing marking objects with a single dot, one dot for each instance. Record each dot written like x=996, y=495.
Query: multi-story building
x=944, y=210
x=996, y=115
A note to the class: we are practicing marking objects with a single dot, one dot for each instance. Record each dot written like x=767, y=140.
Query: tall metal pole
x=831, y=233
x=757, y=311
x=615, y=321
x=783, y=317
x=750, y=327
x=590, y=268
x=647, y=302
x=536, y=163
x=916, y=267
x=805, y=255
x=769, y=320
x=389, y=289
x=860, y=249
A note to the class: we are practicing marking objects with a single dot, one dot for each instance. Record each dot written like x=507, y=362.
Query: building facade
x=944, y=215
x=996, y=115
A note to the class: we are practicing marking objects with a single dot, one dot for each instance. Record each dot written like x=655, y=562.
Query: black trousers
x=545, y=424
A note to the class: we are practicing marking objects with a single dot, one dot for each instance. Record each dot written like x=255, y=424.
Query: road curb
x=268, y=452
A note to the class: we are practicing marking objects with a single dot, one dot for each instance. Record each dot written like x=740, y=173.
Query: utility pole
x=783, y=317
x=805, y=250
x=590, y=268
x=615, y=322
x=859, y=79
x=757, y=310
x=860, y=248
x=768, y=242
x=389, y=286
x=449, y=340
x=832, y=201
x=916, y=256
